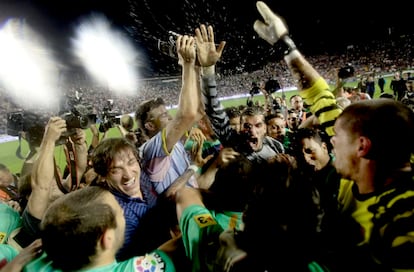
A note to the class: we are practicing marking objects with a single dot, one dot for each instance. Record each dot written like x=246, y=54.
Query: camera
x=169, y=47
x=79, y=116
x=110, y=120
x=23, y=121
x=74, y=120
x=16, y=123
x=346, y=72
x=255, y=89
x=276, y=105
x=33, y=126
x=272, y=85
x=110, y=117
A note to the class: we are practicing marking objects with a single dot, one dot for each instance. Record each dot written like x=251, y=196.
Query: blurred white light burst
x=107, y=55
x=28, y=72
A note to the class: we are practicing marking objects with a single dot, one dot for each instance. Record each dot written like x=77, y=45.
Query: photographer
x=46, y=179
x=30, y=127
x=109, y=117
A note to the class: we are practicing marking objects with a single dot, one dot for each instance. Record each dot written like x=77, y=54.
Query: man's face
x=345, y=148
x=276, y=128
x=255, y=127
x=293, y=120
x=410, y=85
x=159, y=117
x=124, y=174
x=297, y=103
x=235, y=123
x=316, y=154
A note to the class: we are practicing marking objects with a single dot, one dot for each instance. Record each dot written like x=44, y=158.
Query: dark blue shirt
x=134, y=211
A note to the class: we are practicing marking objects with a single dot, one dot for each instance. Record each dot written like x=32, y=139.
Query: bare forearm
x=43, y=167
x=189, y=99
x=42, y=176
x=81, y=159
x=207, y=178
x=179, y=183
x=187, y=112
x=95, y=140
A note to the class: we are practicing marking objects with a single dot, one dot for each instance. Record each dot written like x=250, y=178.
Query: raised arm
x=43, y=171
x=313, y=88
x=95, y=136
x=208, y=54
x=225, y=156
x=188, y=105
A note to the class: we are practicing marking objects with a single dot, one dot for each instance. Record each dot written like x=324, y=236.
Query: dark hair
x=141, y=114
x=253, y=111
x=233, y=111
x=318, y=135
x=105, y=151
x=73, y=225
x=228, y=192
x=279, y=195
x=34, y=134
x=293, y=96
x=277, y=114
x=291, y=111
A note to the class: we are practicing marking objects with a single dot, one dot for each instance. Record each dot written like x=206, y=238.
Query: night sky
x=316, y=26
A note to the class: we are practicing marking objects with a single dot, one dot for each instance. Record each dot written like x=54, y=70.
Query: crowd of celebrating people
x=314, y=183
x=378, y=57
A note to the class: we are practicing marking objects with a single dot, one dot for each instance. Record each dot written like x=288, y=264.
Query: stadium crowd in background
x=378, y=58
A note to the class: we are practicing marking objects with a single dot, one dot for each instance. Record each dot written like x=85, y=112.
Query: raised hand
x=186, y=49
x=207, y=52
x=54, y=129
x=197, y=149
x=79, y=138
x=225, y=156
x=273, y=27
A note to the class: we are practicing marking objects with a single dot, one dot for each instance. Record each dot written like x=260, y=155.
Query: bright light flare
x=107, y=55
x=28, y=72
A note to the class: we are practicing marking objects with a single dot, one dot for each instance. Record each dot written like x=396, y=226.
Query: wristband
x=209, y=70
x=289, y=43
x=286, y=45
x=193, y=167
